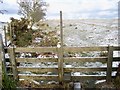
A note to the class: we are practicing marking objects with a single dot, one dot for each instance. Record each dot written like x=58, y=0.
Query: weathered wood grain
x=85, y=59
x=36, y=49
x=36, y=60
x=87, y=49
x=38, y=77
x=109, y=64
x=37, y=69
x=13, y=62
x=87, y=69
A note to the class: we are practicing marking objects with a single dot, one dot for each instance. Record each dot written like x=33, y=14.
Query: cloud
x=72, y=9
x=83, y=8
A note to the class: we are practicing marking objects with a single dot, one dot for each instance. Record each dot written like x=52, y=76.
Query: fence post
x=11, y=33
x=109, y=64
x=13, y=62
x=2, y=60
x=5, y=35
x=60, y=53
x=60, y=65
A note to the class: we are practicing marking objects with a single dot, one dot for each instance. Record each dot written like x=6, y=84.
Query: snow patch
x=100, y=81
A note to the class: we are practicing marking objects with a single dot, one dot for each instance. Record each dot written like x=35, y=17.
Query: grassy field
x=88, y=32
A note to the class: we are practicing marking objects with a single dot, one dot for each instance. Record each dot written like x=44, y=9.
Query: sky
x=72, y=9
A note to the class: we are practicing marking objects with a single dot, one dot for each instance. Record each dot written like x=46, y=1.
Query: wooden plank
x=38, y=77
x=88, y=69
x=87, y=49
x=13, y=62
x=36, y=49
x=36, y=60
x=83, y=69
x=86, y=59
x=116, y=48
x=45, y=86
x=109, y=64
x=87, y=77
x=37, y=69
x=116, y=59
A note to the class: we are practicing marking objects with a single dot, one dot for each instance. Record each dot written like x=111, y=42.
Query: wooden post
x=5, y=35
x=2, y=60
x=60, y=53
x=13, y=62
x=109, y=64
x=11, y=35
x=61, y=29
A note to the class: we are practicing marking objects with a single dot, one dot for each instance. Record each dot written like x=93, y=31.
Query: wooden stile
x=2, y=60
x=37, y=73
x=13, y=62
x=61, y=69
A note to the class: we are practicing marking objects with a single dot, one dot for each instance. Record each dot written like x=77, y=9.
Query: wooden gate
x=55, y=65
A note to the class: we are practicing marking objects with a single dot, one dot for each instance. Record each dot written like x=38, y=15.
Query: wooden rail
x=86, y=69
x=85, y=49
x=37, y=69
x=36, y=60
x=36, y=49
x=84, y=59
x=39, y=77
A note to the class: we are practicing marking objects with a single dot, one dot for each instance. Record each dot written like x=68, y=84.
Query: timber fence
x=57, y=63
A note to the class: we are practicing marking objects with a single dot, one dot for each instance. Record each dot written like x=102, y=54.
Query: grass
x=116, y=82
x=8, y=83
